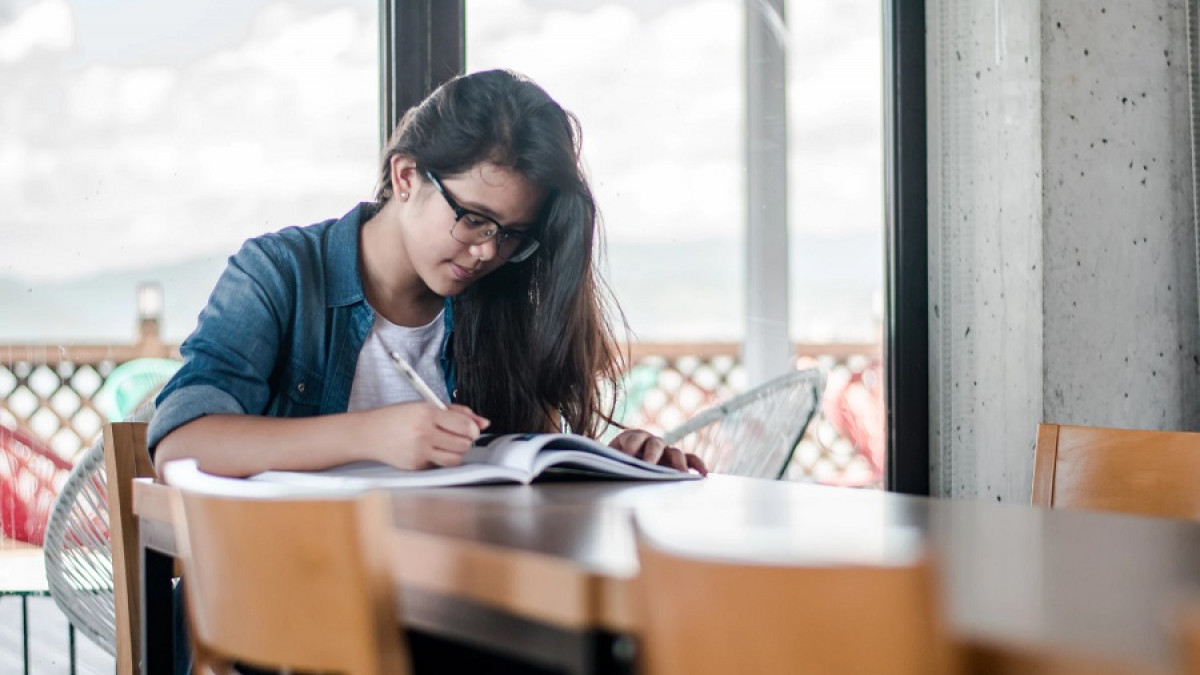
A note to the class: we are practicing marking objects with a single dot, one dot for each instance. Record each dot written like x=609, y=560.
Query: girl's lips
x=462, y=273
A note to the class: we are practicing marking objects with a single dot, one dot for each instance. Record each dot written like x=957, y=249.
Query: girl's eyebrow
x=485, y=211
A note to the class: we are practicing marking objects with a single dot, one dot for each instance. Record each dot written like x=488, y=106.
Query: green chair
x=131, y=384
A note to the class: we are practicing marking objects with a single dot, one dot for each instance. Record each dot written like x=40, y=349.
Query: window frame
x=906, y=275
x=422, y=44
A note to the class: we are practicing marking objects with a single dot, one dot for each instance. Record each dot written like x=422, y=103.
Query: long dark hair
x=532, y=342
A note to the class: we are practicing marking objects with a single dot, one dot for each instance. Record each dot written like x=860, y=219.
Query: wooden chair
x=715, y=616
x=1189, y=634
x=91, y=550
x=1149, y=473
x=755, y=433
x=287, y=583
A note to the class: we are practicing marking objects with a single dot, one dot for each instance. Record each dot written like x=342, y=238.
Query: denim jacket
x=282, y=330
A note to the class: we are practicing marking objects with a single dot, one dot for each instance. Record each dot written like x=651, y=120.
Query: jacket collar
x=342, y=277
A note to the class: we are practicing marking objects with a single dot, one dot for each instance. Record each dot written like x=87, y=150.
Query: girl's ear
x=404, y=176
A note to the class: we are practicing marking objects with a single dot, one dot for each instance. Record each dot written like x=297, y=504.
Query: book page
x=552, y=459
x=370, y=475
x=533, y=453
x=512, y=451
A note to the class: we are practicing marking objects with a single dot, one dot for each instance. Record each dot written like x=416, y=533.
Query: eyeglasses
x=475, y=228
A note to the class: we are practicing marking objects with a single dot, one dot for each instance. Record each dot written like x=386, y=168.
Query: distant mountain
x=103, y=308
x=669, y=291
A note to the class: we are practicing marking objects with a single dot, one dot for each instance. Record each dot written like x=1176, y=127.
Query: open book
x=512, y=458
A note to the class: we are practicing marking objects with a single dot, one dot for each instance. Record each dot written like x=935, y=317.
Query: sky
x=136, y=133
x=137, y=127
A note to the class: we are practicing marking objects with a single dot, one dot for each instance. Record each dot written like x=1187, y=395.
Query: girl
x=474, y=263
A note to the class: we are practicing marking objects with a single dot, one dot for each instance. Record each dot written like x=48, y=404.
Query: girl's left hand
x=647, y=446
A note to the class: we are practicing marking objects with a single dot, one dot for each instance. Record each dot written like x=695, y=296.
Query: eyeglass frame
x=461, y=213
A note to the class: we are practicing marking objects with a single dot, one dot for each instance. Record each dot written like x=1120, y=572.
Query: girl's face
x=445, y=264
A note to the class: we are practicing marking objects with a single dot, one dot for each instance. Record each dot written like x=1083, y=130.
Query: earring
x=403, y=195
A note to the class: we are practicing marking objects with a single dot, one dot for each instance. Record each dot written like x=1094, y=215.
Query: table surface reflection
x=1015, y=578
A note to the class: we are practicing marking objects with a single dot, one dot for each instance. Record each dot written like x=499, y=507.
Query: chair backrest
x=1189, y=637
x=289, y=583
x=132, y=385
x=1133, y=471
x=126, y=457
x=31, y=475
x=91, y=549
x=755, y=433
x=716, y=616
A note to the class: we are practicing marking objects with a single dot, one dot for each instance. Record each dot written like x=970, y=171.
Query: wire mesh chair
x=755, y=433
x=31, y=474
x=78, y=551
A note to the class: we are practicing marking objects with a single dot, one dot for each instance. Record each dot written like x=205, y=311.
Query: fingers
x=460, y=421
x=630, y=442
x=439, y=457
x=480, y=421
x=420, y=435
x=674, y=458
x=655, y=450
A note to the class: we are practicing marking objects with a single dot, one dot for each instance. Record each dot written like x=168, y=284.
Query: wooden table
x=545, y=570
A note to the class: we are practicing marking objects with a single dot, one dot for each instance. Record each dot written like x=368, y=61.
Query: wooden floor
x=49, y=642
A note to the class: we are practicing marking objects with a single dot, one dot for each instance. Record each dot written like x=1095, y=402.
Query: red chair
x=31, y=475
x=855, y=408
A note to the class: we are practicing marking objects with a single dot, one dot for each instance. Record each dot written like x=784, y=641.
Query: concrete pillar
x=1062, y=255
x=1120, y=278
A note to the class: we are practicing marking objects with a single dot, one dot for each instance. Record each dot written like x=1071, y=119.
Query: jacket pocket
x=304, y=390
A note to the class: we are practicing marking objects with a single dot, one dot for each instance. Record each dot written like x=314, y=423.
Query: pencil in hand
x=415, y=380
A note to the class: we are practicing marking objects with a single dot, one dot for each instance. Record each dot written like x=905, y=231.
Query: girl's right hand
x=420, y=435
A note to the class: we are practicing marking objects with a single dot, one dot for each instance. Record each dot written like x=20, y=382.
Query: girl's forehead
x=497, y=191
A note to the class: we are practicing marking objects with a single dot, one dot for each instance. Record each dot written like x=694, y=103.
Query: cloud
x=45, y=25
x=660, y=97
x=105, y=163
x=103, y=97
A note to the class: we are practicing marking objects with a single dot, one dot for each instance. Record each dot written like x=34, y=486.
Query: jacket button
x=300, y=387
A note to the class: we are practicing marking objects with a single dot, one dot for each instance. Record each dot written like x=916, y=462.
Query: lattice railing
x=50, y=392
x=53, y=401
x=668, y=383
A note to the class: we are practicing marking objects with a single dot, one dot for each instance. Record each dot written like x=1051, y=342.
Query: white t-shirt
x=376, y=380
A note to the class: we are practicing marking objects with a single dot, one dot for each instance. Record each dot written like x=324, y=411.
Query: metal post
x=25, y=630
x=422, y=44
x=766, y=351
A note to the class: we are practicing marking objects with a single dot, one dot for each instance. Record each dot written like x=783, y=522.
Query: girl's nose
x=484, y=251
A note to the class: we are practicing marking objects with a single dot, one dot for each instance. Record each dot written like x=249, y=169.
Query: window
x=659, y=89
x=143, y=142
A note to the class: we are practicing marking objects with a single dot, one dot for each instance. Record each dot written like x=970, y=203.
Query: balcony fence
x=52, y=392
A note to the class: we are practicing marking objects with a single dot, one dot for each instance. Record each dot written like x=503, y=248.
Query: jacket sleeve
x=230, y=357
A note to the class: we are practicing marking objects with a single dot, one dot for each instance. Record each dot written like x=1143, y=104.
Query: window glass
x=835, y=199
x=140, y=143
x=656, y=86
x=144, y=141
x=659, y=87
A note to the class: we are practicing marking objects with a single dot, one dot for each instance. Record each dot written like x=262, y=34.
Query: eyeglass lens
x=474, y=229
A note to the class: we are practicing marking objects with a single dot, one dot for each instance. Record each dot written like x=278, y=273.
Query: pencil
x=415, y=380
